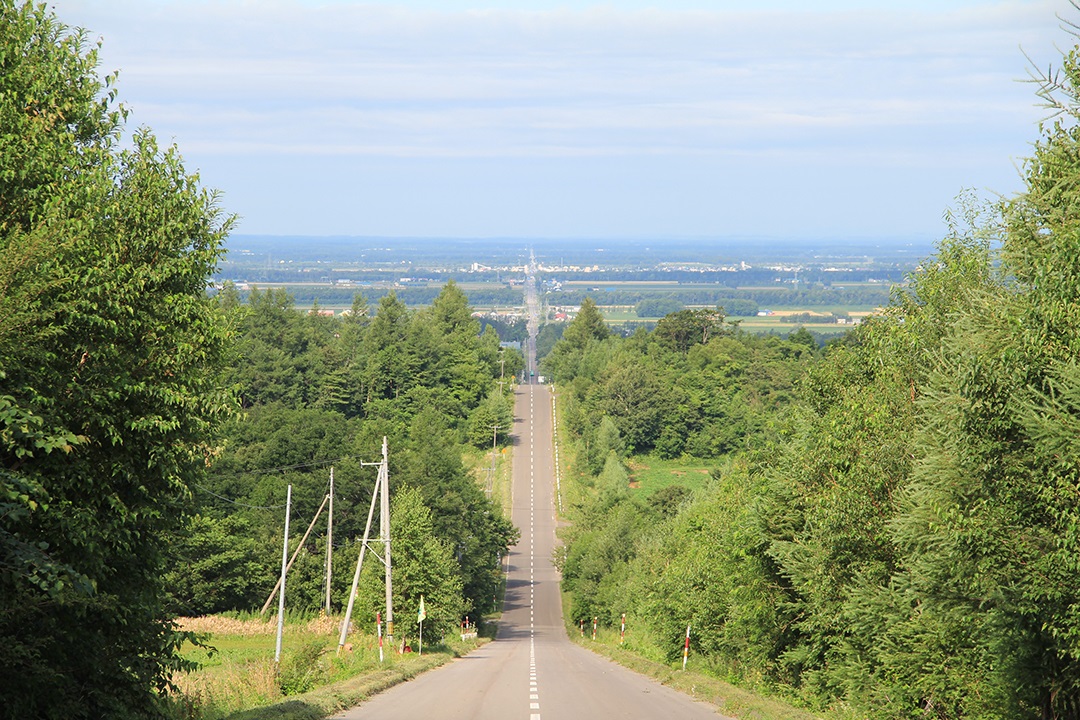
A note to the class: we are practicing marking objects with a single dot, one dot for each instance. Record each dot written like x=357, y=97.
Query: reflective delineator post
x=622, y=630
x=378, y=627
x=594, y=627
x=581, y=624
x=686, y=648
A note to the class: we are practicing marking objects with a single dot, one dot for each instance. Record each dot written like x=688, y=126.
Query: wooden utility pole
x=359, y=564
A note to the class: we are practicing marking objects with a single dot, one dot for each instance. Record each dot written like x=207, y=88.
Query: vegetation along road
x=532, y=670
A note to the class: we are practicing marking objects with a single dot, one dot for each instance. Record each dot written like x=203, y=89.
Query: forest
x=148, y=431
x=890, y=528
x=318, y=392
x=892, y=524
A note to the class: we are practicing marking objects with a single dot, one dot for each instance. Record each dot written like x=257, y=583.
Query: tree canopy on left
x=110, y=355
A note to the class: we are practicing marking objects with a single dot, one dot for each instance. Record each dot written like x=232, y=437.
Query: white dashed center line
x=534, y=691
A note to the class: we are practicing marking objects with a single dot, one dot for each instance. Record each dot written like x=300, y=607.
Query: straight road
x=532, y=670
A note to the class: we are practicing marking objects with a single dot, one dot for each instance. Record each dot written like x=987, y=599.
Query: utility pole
x=380, y=491
x=384, y=524
x=491, y=472
x=359, y=565
x=329, y=539
x=296, y=552
x=284, y=569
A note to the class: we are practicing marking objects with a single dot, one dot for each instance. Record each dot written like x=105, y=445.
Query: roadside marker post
x=594, y=627
x=378, y=626
x=622, y=630
x=686, y=648
x=421, y=614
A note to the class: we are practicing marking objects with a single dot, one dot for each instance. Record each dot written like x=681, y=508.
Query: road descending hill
x=532, y=670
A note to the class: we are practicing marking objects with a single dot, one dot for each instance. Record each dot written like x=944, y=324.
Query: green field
x=649, y=474
x=625, y=315
x=239, y=673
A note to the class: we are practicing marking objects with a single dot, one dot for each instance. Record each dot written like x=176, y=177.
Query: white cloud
x=577, y=67
x=869, y=84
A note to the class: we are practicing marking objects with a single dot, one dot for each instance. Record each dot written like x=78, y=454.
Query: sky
x=685, y=119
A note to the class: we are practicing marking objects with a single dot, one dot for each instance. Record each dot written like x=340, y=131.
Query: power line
x=314, y=463
x=237, y=502
x=283, y=468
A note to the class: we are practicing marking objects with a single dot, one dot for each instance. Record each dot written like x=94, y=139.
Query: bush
x=303, y=669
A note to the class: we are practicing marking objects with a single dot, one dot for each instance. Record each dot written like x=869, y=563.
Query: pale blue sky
x=686, y=118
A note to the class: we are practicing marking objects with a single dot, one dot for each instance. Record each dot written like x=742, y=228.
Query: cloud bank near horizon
x=731, y=95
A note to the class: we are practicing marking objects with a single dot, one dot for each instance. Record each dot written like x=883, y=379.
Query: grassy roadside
x=240, y=681
x=478, y=464
x=336, y=697
x=649, y=474
x=731, y=700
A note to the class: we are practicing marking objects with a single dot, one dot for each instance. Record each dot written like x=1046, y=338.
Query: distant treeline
x=740, y=278
x=306, y=272
x=658, y=307
x=734, y=302
x=412, y=296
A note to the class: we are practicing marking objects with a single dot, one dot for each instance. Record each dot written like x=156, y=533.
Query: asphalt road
x=532, y=670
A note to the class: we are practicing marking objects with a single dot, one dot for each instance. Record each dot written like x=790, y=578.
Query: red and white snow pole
x=686, y=648
x=581, y=624
x=594, y=620
x=378, y=627
x=622, y=630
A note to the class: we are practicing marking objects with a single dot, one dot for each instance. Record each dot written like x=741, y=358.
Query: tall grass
x=238, y=672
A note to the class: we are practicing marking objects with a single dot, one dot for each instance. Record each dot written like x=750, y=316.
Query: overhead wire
x=268, y=471
x=237, y=502
x=283, y=468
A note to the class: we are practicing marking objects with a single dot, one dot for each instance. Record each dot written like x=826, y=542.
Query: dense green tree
x=216, y=565
x=550, y=333
x=491, y=421
x=423, y=565
x=109, y=343
x=633, y=395
x=462, y=365
x=359, y=312
x=988, y=524
x=586, y=326
x=596, y=446
x=393, y=361
x=595, y=553
x=685, y=328
x=657, y=307
x=463, y=516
